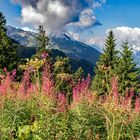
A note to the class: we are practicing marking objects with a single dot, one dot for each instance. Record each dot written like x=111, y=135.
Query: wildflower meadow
x=33, y=110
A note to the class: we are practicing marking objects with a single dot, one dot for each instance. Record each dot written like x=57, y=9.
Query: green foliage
x=42, y=42
x=88, y=122
x=9, y=54
x=22, y=119
x=104, y=69
x=128, y=73
x=27, y=132
x=37, y=114
x=2, y=26
x=109, y=65
x=37, y=118
x=62, y=65
x=75, y=63
x=62, y=75
x=78, y=75
x=119, y=124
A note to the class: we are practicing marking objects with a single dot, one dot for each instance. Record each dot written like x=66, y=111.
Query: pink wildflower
x=5, y=83
x=137, y=104
x=127, y=100
x=25, y=83
x=81, y=91
x=47, y=82
x=44, y=55
x=61, y=102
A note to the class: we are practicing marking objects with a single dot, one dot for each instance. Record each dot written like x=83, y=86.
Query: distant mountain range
x=72, y=48
x=25, y=38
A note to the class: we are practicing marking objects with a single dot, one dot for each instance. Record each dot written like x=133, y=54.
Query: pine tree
x=104, y=69
x=42, y=42
x=9, y=54
x=127, y=71
x=2, y=26
x=42, y=39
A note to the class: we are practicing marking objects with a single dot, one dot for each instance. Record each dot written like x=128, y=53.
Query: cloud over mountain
x=122, y=34
x=57, y=15
x=132, y=35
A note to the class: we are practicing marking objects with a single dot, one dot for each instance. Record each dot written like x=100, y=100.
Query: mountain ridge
x=72, y=48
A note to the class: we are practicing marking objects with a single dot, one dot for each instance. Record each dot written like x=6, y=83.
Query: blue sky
x=11, y=11
x=112, y=14
x=116, y=13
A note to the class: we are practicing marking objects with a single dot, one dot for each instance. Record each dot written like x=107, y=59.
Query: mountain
x=21, y=36
x=72, y=48
x=75, y=49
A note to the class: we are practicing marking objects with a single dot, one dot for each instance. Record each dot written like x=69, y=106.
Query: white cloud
x=132, y=35
x=122, y=34
x=30, y=15
x=56, y=15
x=86, y=19
x=58, y=8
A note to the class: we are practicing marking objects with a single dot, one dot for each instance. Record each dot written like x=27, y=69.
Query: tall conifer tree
x=127, y=71
x=9, y=55
x=42, y=39
x=104, y=69
x=42, y=42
